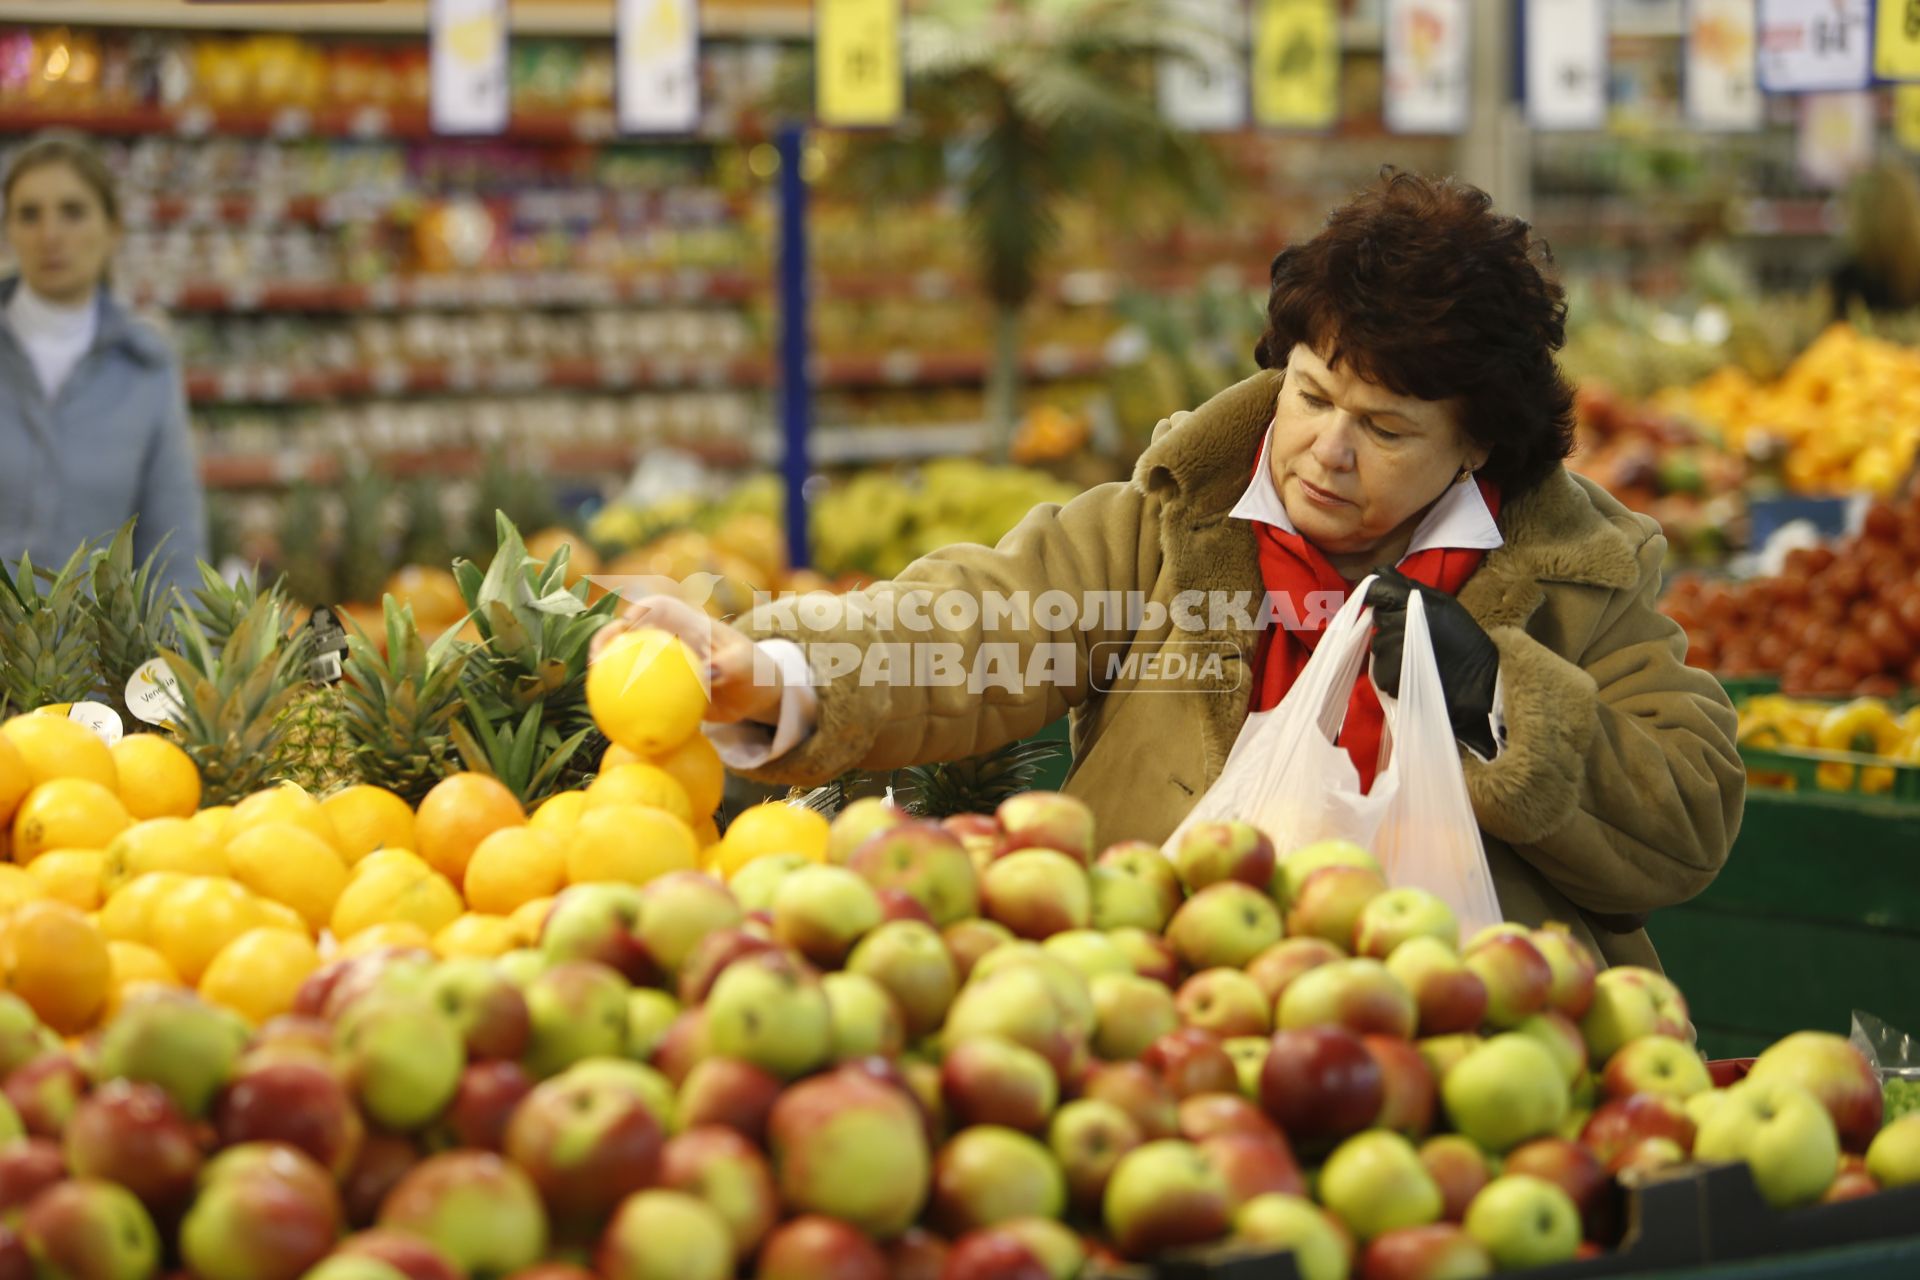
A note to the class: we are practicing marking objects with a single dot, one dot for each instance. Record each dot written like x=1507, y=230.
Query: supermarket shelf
x=837, y=446
x=563, y=289
x=557, y=17
x=294, y=466
x=362, y=124
x=237, y=210
x=266, y=385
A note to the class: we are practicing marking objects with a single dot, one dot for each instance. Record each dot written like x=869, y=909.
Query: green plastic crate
x=1802, y=767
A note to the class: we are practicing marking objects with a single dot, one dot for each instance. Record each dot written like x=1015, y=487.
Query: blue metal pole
x=796, y=392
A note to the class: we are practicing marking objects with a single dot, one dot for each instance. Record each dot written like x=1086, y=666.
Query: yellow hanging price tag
x=1906, y=116
x=1296, y=64
x=857, y=62
x=1896, y=40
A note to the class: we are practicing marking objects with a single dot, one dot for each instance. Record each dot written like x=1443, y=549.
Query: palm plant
x=1025, y=106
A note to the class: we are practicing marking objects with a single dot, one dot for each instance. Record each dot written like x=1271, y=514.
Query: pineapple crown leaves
x=46, y=634
x=975, y=784
x=233, y=693
x=132, y=611
x=526, y=758
x=399, y=706
x=536, y=630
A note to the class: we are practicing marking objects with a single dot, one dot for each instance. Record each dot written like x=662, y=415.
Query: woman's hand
x=1469, y=661
x=743, y=683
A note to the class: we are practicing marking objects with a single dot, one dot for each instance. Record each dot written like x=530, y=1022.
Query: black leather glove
x=1469, y=661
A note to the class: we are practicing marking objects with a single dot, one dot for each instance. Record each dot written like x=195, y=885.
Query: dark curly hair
x=1422, y=288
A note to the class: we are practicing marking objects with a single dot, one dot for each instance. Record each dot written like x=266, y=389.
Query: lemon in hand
x=646, y=692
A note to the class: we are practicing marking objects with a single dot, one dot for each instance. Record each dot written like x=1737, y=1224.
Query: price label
x=468, y=66
x=290, y=123
x=100, y=719
x=1296, y=64
x=900, y=367
x=1896, y=40
x=1566, y=64
x=1202, y=77
x=1814, y=45
x=1835, y=140
x=857, y=62
x=153, y=692
x=1429, y=61
x=1906, y=116
x=658, y=51
x=369, y=123
x=1722, y=92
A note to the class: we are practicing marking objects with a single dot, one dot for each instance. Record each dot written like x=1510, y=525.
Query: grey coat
x=112, y=444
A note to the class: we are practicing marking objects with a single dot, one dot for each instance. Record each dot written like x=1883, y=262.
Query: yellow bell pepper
x=1863, y=725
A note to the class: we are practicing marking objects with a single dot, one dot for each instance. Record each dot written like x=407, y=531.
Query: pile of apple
x=946, y=1052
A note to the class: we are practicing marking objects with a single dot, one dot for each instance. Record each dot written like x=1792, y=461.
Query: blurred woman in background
x=93, y=414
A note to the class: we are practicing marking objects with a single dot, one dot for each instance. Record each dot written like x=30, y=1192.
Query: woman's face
x=1355, y=463
x=60, y=231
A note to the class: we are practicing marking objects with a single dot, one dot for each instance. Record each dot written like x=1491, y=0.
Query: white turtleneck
x=55, y=336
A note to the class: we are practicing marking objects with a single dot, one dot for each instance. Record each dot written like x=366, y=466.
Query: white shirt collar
x=1460, y=519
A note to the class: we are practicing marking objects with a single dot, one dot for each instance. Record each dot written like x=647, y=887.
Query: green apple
x=1374, y=1182
x=1037, y=893
x=1088, y=1137
x=1559, y=1036
x=1400, y=914
x=866, y=1022
x=860, y=820
x=1165, y=1195
x=650, y=1086
x=755, y=884
x=402, y=1059
x=925, y=862
x=1018, y=1003
x=1209, y=852
x=1329, y=902
x=1832, y=1070
x=649, y=1013
x=601, y=923
x=354, y=1267
x=1123, y=900
x=1506, y=1091
x=849, y=1146
x=522, y=965
x=1249, y=1054
x=680, y=908
x=666, y=1235
x=822, y=911
x=1130, y=1013
x=490, y=1010
x=1293, y=868
x=1361, y=995
x=175, y=1040
x=92, y=1229
x=1894, y=1157
x=1064, y=983
x=1148, y=865
x=1656, y=1064
x=22, y=1038
x=1524, y=1221
x=483, y=1212
x=1089, y=951
x=1782, y=1132
x=1322, y=1249
x=908, y=958
x=767, y=1010
x=579, y=1011
x=1225, y=924
x=1443, y=1053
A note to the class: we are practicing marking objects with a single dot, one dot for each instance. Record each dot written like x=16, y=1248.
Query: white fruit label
x=153, y=692
x=102, y=719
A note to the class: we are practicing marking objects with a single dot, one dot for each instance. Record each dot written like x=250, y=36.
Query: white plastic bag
x=1288, y=776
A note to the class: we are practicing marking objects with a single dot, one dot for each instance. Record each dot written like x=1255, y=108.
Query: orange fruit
x=55, y=960
x=129, y=911
x=198, y=919
x=558, y=813
x=71, y=876
x=133, y=966
x=54, y=747
x=433, y=593
x=368, y=818
x=67, y=813
x=512, y=866
x=157, y=778
x=647, y=692
x=706, y=832
x=161, y=844
x=773, y=827
x=258, y=974
x=396, y=895
x=462, y=810
x=288, y=864
x=643, y=784
x=629, y=844
x=477, y=935
x=696, y=766
x=17, y=885
x=286, y=803
x=15, y=779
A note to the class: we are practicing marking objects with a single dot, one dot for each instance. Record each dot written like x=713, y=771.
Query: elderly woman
x=1410, y=420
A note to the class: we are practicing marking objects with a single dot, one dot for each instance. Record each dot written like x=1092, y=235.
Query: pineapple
x=132, y=619
x=304, y=557
x=976, y=784
x=318, y=750
x=529, y=758
x=399, y=707
x=236, y=692
x=367, y=544
x=46, y=635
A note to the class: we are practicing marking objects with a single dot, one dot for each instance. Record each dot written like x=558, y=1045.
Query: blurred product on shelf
x=1788, y=739
x=1667, y=468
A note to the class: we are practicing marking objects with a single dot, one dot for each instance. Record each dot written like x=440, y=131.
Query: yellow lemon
x=462, y=810
x=67, y=813
x=161, y=844
x=197, y=920
x=382, y=859
x=529, y=918
x=290, y=865
x=57, y=748
x=706, y=832
x=646, y=692
x=477, y=935
x=391, y=933
x=368, y=818
x=157, y=778
x=213, y=821
x=615, y=756
x=696, y=766
x=278, y=915
x=17, y=885
x=55, y=959
x=71, y=876
x=512, y=866
x=396, y=895
x=15, y=780
x=127, y=915
x=630, y=844
x=773, y=827
x=285, y=803
x=259, y=973
x=640, y=784
x=558, y=813
x=133, y=966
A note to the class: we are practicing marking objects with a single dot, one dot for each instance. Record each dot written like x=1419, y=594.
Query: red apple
x=988, y=1080
x=1832, y=1070
x=1192, y=1061
x=1088, y=1136
x=727, y=1091
x=1150, y=954
x=1329, y=903
x=1047, y=820
x=1518, y=978
x=90, y=1228
x=485, y=1004
x=1409, y=1093
x=46, y=1091
x=587, y=1144
x=299, y=1103
x=1226, y=1002
x=1575, y=1170
x=1574, y=969
x=1619, y=1123
x=15, y=1262
x=1254, y=1164
x=259, y=1227
x=1459, y=1168
x=727, y=1171
x=1209, y=852
x=1165, y=1195
x=1450, y=997
x=482, y=1106
x=917, y=1255
x=712, y=955
x=134, y=1135
x=968, y=940
x=684, y=1044
x=1139, y=1092
x=1644, y=1156
x=1205, y=1114
x=1321, y=1084
x=291, y=1035
x=930, y=866
x=1437, y=1251
x=1850, y=1184
x=28, y=1166
x=411, y=1256
x=847, y=1145
x=1655, y=1064
x=993, y=1254
x=601, y=923
x=815, y=1247
x=1287, y=959
x=385, y=1158
x=1360, y=995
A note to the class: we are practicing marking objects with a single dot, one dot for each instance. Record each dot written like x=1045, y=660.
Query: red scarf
x=1290, y=566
